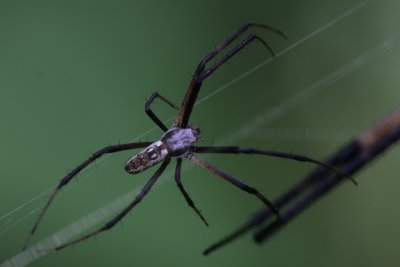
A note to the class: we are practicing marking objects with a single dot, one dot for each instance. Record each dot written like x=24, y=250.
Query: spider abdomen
x=148, y=157
x=176, y=142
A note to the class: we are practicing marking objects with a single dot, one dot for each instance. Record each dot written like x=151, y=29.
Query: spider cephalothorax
x=175, y=143
x=178, y=142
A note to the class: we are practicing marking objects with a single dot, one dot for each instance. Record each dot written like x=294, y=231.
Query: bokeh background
x=74, y=76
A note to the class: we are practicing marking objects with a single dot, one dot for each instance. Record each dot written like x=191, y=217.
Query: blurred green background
x=74, y=76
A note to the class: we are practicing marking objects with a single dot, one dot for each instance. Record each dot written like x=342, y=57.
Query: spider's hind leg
x=150, y=113
x=117, y=218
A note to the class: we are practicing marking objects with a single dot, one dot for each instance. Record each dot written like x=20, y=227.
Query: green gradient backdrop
x=74, y=76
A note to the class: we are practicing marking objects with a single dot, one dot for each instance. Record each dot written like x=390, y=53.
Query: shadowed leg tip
x=257, y=239
x=354, y=182
x=283, y=35
x=206, y=252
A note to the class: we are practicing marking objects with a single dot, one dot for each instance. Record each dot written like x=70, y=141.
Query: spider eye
x=195, y=128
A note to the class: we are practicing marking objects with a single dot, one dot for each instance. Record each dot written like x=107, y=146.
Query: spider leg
x=233, y=52
x=194, y=87
x=151, y=114
x=74, y=172
x=236, y=182
x=278, y=154
x=107, y=226
x=228, y=239
x=183, y=191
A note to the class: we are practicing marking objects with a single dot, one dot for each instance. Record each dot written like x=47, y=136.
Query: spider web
x=81, y=225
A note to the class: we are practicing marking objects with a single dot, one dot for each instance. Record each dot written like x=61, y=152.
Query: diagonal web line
x=287, y=49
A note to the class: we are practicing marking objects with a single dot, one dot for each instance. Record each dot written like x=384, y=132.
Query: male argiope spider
x=178, y=142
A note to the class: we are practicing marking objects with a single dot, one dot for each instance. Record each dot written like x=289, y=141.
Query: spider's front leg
x=202, y=73
x=150, y=113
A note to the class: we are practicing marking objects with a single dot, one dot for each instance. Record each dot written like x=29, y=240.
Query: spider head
x=196, y=132
x=195, y=129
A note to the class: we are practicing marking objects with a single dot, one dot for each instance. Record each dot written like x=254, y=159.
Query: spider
x=178, y=142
